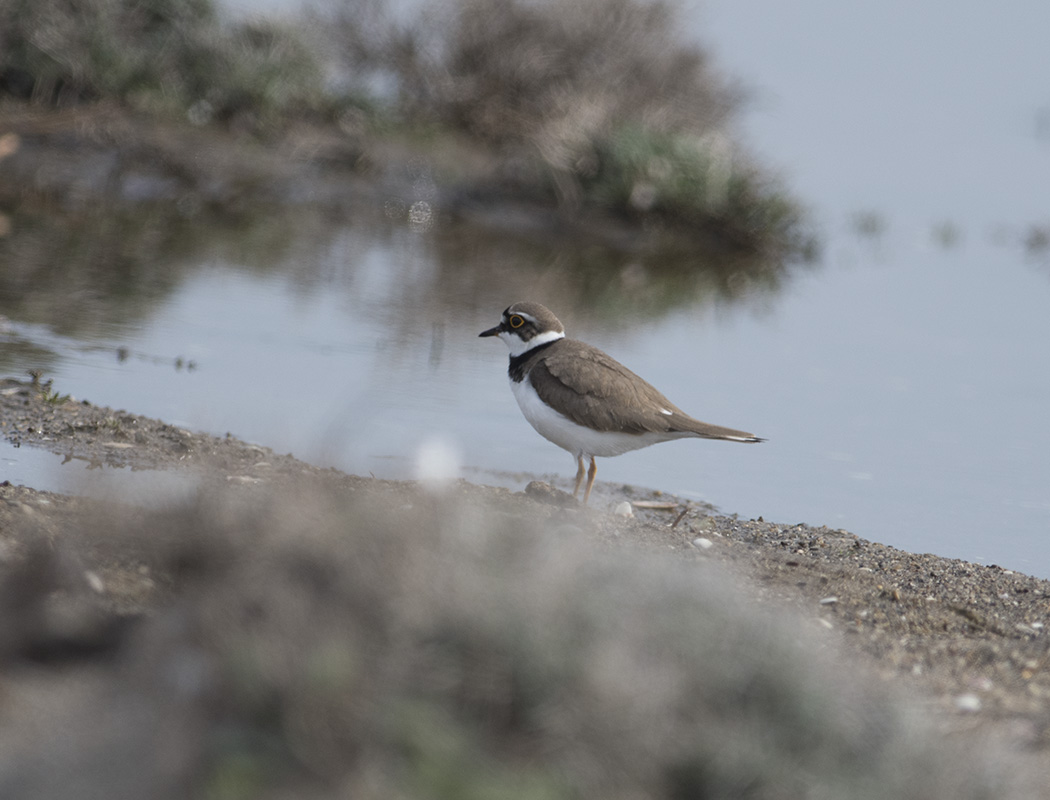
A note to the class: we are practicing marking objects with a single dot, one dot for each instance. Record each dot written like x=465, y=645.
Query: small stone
x=624, y=510
x=968, y=702
x=438, y=463
x=828, y=601
x=94, y=581
x=700, y=543
x=545, y=493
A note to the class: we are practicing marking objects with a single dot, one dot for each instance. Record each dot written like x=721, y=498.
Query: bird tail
x=705, y=431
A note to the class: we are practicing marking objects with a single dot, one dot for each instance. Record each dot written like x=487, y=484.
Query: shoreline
x=969, y=637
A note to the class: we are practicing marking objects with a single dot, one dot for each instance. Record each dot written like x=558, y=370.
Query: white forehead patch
x=523, y=315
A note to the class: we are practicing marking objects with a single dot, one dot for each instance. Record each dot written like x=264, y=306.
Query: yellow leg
x=579, y=476
x=590, y=479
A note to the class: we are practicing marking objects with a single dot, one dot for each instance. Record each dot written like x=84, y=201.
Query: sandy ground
x=967, y=642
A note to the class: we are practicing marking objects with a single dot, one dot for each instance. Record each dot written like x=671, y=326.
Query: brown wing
x=605, y=395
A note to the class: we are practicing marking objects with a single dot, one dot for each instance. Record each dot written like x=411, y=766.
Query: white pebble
x=624, y=510
x=827, y=601
x=702, y=543
x=437, y=463
x=968, y=702
x=94, y=581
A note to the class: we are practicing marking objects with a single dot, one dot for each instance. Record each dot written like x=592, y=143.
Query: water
x=42, y=469
x=922, y=112
x=902, y=382
x=932, y=122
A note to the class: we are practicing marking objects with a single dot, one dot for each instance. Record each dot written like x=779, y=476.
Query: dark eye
x=516, y=321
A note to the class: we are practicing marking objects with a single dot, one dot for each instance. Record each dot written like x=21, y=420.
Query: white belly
x=578, y=440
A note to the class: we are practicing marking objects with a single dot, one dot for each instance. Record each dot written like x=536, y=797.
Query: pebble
x=827, y=601
x=968, y=702
x=624, y=510
x=437, y=464
x=702, y=544
x=94, y=581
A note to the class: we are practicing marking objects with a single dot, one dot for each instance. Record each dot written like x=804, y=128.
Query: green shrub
x=161, y=55
x=539, y=72
x=685, y=179
x=599, y=102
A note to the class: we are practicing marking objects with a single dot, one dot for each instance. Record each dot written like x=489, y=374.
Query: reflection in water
x=596, y=281
x=89, y=273
x=17, y=349
x=40, y=469
x=103, y=270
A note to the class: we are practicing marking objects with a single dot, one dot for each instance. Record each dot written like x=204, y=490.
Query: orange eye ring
x=516, y=321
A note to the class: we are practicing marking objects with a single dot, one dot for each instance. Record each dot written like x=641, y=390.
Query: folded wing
x=602, y=393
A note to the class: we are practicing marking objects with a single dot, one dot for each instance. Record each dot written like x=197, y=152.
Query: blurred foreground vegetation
x=598, y=105
x=352, y=638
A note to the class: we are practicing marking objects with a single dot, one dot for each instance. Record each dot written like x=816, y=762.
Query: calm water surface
x=902, y=382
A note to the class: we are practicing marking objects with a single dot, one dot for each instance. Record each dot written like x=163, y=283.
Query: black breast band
x=516, y=370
